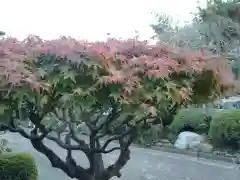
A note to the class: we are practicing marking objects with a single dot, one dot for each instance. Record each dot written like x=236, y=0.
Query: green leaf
x=70, y=75
x=42, y=72
x=44, y=100
x=78, y=91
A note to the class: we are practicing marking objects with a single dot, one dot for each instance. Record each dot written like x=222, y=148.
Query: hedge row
x=225, y=129
x=192, y=119
x=221, y=126
x=17, y=166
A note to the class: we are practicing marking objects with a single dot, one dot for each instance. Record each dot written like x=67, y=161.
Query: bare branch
x=15, y=129
x=4, y=127
x=110, y=150
x=116, y=137
x=71, y=128
x=66, y=146
x=119, y=137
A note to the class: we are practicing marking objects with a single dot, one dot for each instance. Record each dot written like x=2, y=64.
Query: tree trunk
x=98, y=166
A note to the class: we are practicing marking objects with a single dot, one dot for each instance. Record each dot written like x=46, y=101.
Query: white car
x=228, y=103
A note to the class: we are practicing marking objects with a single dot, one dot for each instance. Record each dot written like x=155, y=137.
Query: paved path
x=144, y=164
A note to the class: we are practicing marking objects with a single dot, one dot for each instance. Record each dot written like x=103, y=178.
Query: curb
x=198, y=154
x=209, y=156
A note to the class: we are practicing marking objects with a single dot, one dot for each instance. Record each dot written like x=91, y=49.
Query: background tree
x=74, y=81
x=223, y=20
x=2, y=33
x=215, y=28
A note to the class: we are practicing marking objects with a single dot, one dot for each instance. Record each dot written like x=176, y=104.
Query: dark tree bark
x=93, y=150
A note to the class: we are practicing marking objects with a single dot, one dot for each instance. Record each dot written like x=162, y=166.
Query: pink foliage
x=137, y=58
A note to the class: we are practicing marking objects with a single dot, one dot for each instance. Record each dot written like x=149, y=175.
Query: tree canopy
x=75, y=81
x=215, y=28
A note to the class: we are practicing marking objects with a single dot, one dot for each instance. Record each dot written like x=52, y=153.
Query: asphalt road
x=144, y=164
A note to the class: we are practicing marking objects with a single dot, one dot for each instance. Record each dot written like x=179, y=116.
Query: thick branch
x=72, y=170
x=15, y=129
x=4, y=127
x=69, y=167
x=114, y=170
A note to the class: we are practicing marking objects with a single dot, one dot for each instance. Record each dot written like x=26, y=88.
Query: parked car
x=228, y=103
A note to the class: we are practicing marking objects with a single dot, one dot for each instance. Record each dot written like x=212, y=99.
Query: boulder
x=205, y=147
x=164, y=141
x=169, y=145
x=159, y=144
x=188, y=140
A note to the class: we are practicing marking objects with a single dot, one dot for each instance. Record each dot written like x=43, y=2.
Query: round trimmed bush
x=225, y=129
x=17, y=166
x=192, y=119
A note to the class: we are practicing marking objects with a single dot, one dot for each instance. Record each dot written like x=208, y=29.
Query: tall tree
x=223, y=19
x=2, y=33
x=215, y=28
x=76, y=81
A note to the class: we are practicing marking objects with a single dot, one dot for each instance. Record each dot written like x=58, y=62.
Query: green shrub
x=152, y=135
x=192, y=119
x=17, y=166
x=225, y=129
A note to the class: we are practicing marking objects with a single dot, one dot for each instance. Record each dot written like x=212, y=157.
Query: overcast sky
x=87, y=19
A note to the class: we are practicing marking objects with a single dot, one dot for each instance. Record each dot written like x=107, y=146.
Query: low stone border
x=214, y=155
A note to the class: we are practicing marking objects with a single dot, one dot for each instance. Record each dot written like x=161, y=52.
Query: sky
x=88, y=19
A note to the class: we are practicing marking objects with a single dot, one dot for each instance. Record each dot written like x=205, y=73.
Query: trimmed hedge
x=17, y=166
x=225, y=129
x=192, y=119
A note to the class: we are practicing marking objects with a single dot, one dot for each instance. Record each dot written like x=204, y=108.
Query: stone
x=195, y=149
x=188, y=140
x=229, y=155
x=159, y=144
x=205, y=147
x=164, y=140
x=219, y=153
x=148, y=145
x=169, y=145
x=237, y=159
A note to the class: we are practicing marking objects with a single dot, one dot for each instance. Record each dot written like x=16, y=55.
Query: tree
x=2, y=33
x=215, y=28
x=222, y=17
x=74, y=81
x=192, y=35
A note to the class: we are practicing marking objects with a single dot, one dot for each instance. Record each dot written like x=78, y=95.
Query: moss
x=17, y=166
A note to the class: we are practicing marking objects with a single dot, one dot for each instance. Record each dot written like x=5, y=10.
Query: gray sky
x=87, y=19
